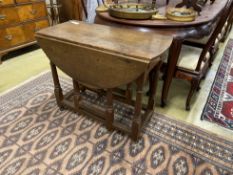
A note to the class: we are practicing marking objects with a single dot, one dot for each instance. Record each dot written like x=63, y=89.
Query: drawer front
x=8, y=15
x=32, y=11
x=6, y=2
x=41, y=24
x=31, y=28
x=24, y=1
x=11, y=36
x=29, y=31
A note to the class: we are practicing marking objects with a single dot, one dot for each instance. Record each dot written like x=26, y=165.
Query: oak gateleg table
x=103, y=58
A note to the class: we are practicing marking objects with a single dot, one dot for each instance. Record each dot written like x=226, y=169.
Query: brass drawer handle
x=34, y=11
x=9, y=37
x=2, y=17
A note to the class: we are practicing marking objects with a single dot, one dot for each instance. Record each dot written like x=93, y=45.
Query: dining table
x=201, y=27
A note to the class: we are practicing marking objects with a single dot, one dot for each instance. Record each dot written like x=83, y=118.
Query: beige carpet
x=37, y=138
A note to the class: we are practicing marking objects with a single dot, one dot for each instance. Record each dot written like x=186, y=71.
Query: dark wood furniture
x=103, y=58
x=72, y=10
x=227, y=27
x=181, y=31
x=204, y=58
x=19, y=20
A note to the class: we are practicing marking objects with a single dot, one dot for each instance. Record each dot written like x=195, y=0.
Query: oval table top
x=209, y=12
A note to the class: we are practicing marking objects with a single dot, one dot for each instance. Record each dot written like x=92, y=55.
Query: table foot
x=62, y=108
x=135, y=130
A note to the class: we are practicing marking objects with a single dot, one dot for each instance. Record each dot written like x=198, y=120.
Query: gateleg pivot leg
x=109, y=110
x=57, y=87
x=137, y=120
x=77, y=96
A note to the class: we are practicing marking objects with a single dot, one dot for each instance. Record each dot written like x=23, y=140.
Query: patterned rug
x=219, y=106
x=37, y=138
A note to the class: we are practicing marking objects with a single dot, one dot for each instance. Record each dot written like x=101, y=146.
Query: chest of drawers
x=19, y=20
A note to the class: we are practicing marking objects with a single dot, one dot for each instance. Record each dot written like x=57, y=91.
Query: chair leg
x=194, y=87
x=198, y=85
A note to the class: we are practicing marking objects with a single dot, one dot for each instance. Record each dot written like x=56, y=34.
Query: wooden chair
x=200, y=43
x=227, y=27
x=223, y=34
x=194, y=62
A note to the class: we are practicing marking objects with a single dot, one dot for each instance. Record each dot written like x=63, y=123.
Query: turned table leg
x=57, y=86
x=77, y=96
x=137, y=120
x=153, y=80
x=173, y=57
x=128, y=93
x=109, y=110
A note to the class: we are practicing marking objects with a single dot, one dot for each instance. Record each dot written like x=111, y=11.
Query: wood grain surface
x=140, y=45
x=209, y=13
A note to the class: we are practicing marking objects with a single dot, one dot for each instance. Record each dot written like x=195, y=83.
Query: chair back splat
x=228, y=26
x=194, y=62
x=226, y=12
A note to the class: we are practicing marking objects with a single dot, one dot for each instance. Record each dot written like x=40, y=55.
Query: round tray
x=132, y=11
x=101, y=8
x=181, y=14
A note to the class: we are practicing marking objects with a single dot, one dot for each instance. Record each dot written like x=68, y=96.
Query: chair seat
x=189, y=57
x=205, y=40
x=217, y=41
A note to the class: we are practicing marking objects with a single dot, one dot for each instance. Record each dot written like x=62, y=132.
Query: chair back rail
x=226, y=12
x=230, y=21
